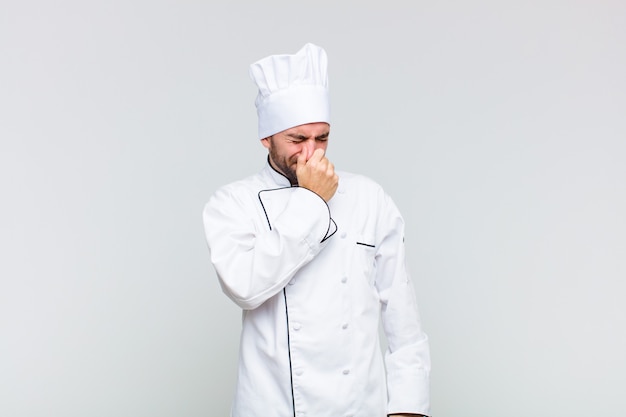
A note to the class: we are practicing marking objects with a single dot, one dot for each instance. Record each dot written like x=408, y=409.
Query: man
x=315, y=258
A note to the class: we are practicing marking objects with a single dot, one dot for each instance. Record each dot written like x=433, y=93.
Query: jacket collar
x=275, y=178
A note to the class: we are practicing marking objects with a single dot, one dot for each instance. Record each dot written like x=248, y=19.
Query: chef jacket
x=313, y=280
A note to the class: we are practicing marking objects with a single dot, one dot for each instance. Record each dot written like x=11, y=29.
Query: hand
x=317, y=174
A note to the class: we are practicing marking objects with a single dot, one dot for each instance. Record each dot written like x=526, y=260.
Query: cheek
x=292, y=155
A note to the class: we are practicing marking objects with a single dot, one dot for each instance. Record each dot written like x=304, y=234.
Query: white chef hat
x=293, y=90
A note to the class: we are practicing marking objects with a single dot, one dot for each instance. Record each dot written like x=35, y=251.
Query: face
x=285, y=147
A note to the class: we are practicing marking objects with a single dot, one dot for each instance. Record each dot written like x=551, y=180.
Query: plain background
x=498, y=128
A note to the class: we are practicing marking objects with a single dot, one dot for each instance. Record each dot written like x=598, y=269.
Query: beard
x=283, y=165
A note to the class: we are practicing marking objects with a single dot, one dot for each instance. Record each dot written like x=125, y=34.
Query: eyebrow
x=303, y=137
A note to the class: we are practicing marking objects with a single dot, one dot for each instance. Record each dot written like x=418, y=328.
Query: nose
x=308, y=147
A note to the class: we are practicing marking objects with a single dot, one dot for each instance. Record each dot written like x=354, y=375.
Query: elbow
x=246, y=303
x=243, y=297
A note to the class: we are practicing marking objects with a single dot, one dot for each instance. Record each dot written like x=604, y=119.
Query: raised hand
x=317, y=174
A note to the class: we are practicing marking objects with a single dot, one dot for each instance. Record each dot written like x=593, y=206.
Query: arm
x=257, y=243
x=407, y=357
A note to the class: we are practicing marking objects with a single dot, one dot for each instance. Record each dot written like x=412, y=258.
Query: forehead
x=309, y=129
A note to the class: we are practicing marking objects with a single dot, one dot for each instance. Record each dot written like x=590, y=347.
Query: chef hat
x=293, y=90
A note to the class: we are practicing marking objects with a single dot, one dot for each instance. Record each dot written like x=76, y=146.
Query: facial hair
x=282, y=165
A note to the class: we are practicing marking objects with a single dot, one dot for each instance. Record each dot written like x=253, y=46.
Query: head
x=285, y=147
x=292, y=91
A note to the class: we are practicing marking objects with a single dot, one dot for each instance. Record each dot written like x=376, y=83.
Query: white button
x=343, y=235
x=297, y=326
x=293, y=281
x=346, y=371
x=344, y=326
x=299, y=372
x=344, y=279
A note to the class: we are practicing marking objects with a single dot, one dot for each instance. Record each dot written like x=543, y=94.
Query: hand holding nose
x=317, y=174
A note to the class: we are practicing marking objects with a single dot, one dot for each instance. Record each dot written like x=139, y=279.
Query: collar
x=275, y=177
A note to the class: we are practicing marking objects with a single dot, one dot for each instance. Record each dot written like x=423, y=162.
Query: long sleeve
x=407, y=357
x=259, y=240
x=313, y=303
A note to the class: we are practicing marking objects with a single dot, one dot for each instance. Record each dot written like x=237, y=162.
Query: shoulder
x=360, y=183
x=241, y=185
x=350, y=178
x=366, y=190
x=238, y=192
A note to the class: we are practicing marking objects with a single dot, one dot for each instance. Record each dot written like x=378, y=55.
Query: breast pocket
x=364, y=261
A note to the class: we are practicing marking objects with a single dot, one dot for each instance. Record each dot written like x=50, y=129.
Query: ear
x=266, y=142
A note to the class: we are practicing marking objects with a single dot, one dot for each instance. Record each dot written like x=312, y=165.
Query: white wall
x=498, y=127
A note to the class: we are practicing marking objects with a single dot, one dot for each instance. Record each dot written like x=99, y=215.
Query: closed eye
x=322, y=137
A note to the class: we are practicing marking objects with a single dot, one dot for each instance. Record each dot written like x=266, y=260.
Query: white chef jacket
x=313, y=280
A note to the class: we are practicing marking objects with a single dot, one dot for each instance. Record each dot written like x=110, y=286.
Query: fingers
x=317, y=174
x=318, y=154
x=318, y=161
x=305, y=158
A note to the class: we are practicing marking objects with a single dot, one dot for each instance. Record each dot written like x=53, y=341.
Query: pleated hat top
x=293, y=89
